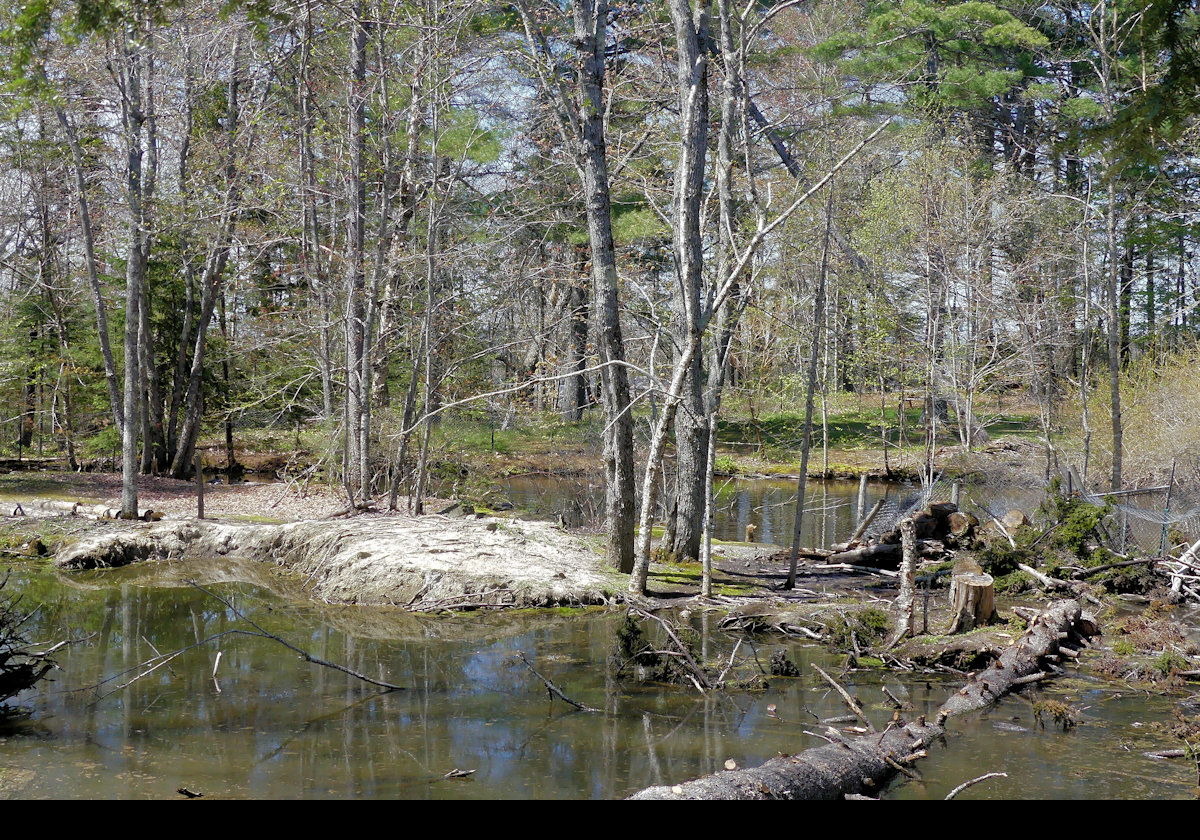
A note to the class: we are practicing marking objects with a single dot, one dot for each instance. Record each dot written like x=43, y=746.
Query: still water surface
x=272, y=725
x=830, y=507
x=767, y=503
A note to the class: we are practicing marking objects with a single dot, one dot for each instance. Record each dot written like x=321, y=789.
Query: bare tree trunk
x=809, y=392
x=658, y=440
x=133, y=121
x=179, y=381
x=906, y=601
x=314, y=264
x=89, y=255
x=356, y=395
x=590, y=32
x=153, y=440
x=214, y=270
x=691, y=425
x=1113, y=299
x=380, y=270
x=573, y=393
x=581, y=123
x=230, y=459
x=729, y=314
x=428, y=341
x=405, y=212
x=410, y=405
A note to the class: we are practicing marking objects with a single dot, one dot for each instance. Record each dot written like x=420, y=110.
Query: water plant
x=1061, y=714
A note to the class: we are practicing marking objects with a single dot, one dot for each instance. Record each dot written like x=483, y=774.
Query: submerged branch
x=305, y=655
x=974, y=782
x=552, y=689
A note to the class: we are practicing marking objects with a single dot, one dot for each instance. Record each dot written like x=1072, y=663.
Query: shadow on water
x=271, y=725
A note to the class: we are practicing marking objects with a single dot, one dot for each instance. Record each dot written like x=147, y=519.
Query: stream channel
x=269, y=725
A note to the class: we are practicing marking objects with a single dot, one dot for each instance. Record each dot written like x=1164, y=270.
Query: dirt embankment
x=425, y=563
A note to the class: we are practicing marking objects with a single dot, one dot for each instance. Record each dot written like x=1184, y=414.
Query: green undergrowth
x=1078, y=542
x=1059, y=714
x=851, y=427
x=478, y=432
x=865, y=626
x=690, y=574
x=25, y=484
x=1071, y=540
x=564, y=611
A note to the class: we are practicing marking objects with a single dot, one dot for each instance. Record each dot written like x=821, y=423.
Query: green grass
x=855, y=428
x=1016, y=425
x=475, y=432
x=559, y=611
x=678, y=574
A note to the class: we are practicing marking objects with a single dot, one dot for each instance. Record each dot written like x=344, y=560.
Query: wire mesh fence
x=1144, y=521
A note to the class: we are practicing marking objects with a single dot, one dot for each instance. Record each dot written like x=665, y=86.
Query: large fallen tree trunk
x=864, y=765
x=885, y=555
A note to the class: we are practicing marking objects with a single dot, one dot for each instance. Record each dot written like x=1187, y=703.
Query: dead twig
x=154, y=663
x=732, y=656
x=973, y=782
x=850, y=701
x=157, y=652
x=552, y=689
x=305, y=655
x=291, y=483
x=866, y=523
x=847, y=567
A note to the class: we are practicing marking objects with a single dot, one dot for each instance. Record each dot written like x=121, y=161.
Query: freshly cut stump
x=973, y=595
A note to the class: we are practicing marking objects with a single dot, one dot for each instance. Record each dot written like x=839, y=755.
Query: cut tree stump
x=973, y=600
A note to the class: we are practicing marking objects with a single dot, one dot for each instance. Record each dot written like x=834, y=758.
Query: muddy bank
x=418, y=563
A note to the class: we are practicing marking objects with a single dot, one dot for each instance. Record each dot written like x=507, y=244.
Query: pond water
x=830, y=507
x=270, y=725
x=768, y=503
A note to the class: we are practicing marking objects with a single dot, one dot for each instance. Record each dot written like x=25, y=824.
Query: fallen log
x=854, y=767
x=885, y=555
x=1061, y=622
x=866, y=555
x=58, y=507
